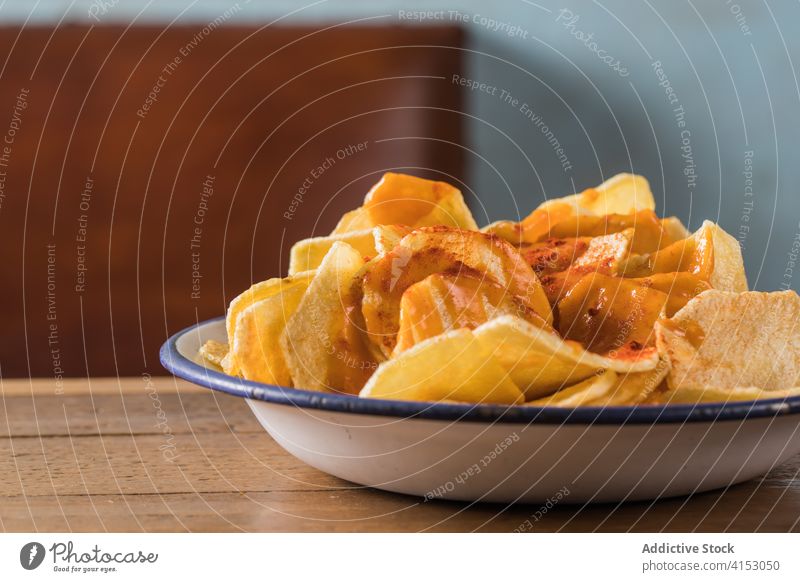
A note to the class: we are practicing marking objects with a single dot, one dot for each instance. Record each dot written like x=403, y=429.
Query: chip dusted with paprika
x=590, y=300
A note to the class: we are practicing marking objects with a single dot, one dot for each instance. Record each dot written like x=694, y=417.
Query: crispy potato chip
x=562, y=221
x=452, y=366
x=307, y=254
x=355, y=220
x=213, y=352
x=407, y=300
x=634, y=388
x=625, y=194
x=443, y=302
x=608, y=388
x=620, y=194
x=553, y=255
x=257, y=292
x=728, y=273
x=540, y=362
x=603, y=254
x=723, y=340
x=610, y=315
x=260, y=291
x=646, y=231
x=410, y=201
x=323, y=347
x=676, y=230
x=389, y=236
x=581, y=394
x=508, y=230
x=431, y=250
x=710, y=253
x=692, y=255
x=680, y=288
x=534, y=227
x=255, y=347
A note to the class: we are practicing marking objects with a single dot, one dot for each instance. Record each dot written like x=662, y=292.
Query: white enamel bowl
x=509, y=454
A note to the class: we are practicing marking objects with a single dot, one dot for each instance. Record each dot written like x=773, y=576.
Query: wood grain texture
x=95, y=182
x=94, y=460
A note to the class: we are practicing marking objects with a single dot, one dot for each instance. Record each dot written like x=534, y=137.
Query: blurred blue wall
x=701, y=97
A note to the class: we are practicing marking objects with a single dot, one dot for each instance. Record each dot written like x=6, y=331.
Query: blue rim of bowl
x=184, y=368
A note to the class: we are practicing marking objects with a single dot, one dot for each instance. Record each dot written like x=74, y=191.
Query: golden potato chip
x=588, y=253
x=257, y=292
x=508, y=230
x=255, y=347
x=553, y=255
x=213, y=352
x=603, y=254
x=411, y=201
x=680, y=287
x=623, y=194
x=540, y=362
x=560, y=222
x=634, y=388
x=442, y=302
x=611, y=315
x=355, y=220
x=407, y=300
x=431, y=250
x=307, y=254
x=724, y=340
x=699, y=394
x=608, y=388
x=534, y=227
x=675, y=228
x=710, y=253
x=581, y=394
x=452, y=366
x=728, y=273
x=260, y=291
x=322, y=345
x=620, y=194
x=389, y=236
x=644, y=228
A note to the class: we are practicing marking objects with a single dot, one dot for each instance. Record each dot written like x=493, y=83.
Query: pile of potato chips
x=591, y=300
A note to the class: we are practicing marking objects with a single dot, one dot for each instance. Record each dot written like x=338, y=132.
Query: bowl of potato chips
x=592, y=348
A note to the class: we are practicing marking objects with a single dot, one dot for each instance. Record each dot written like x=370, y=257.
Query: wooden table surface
x=140, y=454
